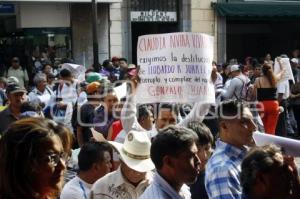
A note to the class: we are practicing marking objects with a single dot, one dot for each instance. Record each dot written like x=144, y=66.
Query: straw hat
x=135, y=152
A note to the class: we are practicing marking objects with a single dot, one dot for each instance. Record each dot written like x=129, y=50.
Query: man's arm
x=80, y=136
x=129, y=111
x=197, y=113
x=128, y=116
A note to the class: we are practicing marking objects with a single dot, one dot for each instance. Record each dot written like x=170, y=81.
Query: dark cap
x=15, y=88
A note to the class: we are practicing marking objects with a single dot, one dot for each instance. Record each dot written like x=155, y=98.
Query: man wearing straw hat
x=134, y=174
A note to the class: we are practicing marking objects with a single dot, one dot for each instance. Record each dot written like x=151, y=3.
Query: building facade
x=248, y=27
x=28, y=28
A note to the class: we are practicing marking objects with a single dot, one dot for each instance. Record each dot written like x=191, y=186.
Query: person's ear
x=96, y=167
x=168, y=161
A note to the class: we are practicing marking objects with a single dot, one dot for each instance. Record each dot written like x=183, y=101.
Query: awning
x=258, y=9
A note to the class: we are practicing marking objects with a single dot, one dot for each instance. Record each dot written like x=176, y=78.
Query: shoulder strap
x=244, y=83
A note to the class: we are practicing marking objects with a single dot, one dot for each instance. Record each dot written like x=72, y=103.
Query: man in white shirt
x=41, y=94
x=94, y=161
x=283, y=125
x=134, y=174
x=174, y=153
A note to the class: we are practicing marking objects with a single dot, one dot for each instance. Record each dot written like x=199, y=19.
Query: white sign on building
x=153, y=16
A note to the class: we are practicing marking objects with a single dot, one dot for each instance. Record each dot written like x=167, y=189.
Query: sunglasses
x=54, y=158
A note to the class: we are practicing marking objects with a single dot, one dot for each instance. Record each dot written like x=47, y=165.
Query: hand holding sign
x=283, y=70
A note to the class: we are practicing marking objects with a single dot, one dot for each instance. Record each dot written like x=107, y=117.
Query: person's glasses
x=54, y=158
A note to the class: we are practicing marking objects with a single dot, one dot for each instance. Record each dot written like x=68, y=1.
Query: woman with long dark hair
x=268, y=106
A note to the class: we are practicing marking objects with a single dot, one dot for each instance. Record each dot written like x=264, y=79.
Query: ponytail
x=267, y=71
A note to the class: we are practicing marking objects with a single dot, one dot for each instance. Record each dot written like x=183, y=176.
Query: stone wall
x=204, y=19
x=82, y=40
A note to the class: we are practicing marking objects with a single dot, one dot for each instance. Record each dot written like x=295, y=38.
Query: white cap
x=294, y=60
x=235, y=68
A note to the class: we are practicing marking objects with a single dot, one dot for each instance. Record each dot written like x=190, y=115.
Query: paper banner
x=290, y=146
x=175, y=67
x=288, y=75
x=78, y=71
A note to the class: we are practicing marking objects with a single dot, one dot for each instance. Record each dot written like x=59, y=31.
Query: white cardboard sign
x=290, y=146
x=175, y=67
x=288, y=74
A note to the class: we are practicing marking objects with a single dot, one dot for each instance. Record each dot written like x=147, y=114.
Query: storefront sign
x=7, y=8
x=153, y=16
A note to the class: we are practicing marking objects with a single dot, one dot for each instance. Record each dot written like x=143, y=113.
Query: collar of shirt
x=230, y=150
x=164, y=185
x=15, y=69
x=46, y=91
x=9, y=113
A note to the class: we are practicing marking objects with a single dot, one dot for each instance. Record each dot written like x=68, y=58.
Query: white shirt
x=76, y=189
x=68, y=92
x=283, y=87
x=36, y=96
x=160, y=189
x=113, y=185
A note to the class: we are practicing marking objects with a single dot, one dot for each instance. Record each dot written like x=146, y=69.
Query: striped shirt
x=160, y=189
x=223, y=171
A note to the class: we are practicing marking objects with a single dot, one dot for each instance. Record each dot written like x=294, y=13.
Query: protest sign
x=78, y=71
x=121, y=91
x=290, y=146
x=286, y=66
x=175, y=67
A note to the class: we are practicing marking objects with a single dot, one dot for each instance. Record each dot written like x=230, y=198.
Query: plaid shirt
x=222, y=172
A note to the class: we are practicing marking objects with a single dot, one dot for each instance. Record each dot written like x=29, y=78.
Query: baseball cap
x=92, y=87
x=131, y=66
x=235, y=67
x=294, y=60
x=115, y=58
x=15, y=59
x=15, y=88
x=93, y=76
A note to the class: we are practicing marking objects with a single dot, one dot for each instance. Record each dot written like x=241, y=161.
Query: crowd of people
x=68, y=138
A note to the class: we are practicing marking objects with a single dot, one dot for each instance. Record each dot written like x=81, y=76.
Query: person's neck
x=14, y=110
x=41, y=90
x=228, y=141
x=171, y=181
x=86, y=177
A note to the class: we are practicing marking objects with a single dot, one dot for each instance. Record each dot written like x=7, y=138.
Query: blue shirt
x=160, y=189
x=222, y=175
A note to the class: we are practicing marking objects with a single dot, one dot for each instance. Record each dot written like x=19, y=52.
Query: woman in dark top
x=265, y=87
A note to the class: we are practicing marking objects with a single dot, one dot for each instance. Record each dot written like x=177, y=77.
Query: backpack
x=247, y=91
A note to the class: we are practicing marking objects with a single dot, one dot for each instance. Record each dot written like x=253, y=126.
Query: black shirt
x=197, y=189
x=85, y=120
x=6, y=119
